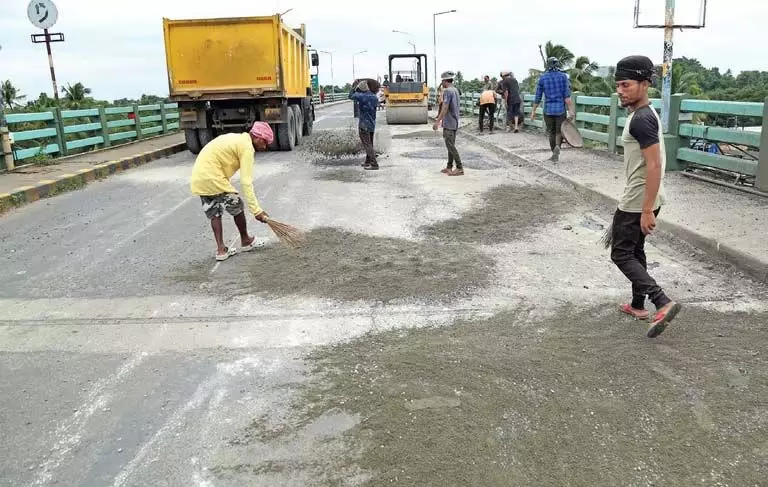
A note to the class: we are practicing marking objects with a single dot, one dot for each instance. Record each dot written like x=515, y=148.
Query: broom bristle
x=607, y=238
x=287, y=234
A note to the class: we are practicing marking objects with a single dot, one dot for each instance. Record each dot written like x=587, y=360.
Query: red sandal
x=662, y=319
x=638, y=314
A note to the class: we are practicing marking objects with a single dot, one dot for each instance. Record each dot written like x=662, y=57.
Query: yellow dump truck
x=227, y=73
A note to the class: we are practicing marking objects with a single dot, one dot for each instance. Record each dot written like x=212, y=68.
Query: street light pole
x=434, y=41
x=353, y=61
x=333, y=85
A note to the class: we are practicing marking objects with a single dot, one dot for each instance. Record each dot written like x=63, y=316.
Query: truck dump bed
x=241, y=57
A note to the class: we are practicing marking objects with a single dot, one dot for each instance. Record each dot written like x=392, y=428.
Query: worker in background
x=449, y=117
x=386, y=81
x=487, y=105
x=219, y=160
x=555, y=86
x=511, y=94
x=487, y=83
x=367, y=102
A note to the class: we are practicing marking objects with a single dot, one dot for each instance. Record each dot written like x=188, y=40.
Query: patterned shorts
x=214, y=206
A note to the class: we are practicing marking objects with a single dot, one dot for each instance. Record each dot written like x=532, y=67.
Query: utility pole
x=43, y=14
x=333, y=85
x=5, y=140
x=666, y=70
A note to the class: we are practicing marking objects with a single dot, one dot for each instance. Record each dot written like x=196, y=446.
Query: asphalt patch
x=339, y=143
x=508, y=213
x=581, y=398
x=337, y=264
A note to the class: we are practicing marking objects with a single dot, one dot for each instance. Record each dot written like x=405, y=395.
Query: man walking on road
x=635, y=218
x=368, y=103
x=511, y=94
x=449, y=117
x=219, y=160
x=554, y=85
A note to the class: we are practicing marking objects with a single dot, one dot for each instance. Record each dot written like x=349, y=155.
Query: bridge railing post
x=761, y=178
x=137, y=119
x=577, y=108
x=163, y=119
x=61, y=137
x=104, y=126
x=613, y=123
x=672, y=136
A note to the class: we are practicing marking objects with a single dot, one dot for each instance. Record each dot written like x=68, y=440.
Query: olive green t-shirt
x=642, y=130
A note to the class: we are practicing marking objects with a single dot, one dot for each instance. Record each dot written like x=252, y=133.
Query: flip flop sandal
x=456, y=173
x=223, y=257
x=254, y=245
x=662, y=319
x=634, y=313
x=445, y=170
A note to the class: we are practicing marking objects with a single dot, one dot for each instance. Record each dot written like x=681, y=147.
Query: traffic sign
x=42, y=13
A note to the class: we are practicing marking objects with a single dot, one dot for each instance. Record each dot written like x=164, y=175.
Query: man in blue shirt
x=555, y=87
x=367, y=103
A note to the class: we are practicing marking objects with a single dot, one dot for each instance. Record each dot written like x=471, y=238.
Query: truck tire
x=205, y=135
x=193, y=142
x=274, y=145
x=298, y=125
x=309, y=121
x=286, y=133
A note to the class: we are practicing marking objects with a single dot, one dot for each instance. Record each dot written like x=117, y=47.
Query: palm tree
x=582, y=73
x=10, y=95
x=75, y=95
x=562, y=53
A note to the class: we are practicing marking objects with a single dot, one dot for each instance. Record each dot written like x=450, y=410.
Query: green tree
x=76, y=96
x=11, y=96
x=581, y=74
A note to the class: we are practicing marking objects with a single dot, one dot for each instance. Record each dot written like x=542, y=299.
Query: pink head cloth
x=262, y=130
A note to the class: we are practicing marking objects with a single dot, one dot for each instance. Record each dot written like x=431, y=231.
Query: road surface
x=432, y=331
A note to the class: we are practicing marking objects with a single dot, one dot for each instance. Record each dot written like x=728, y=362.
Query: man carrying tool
x=635, y=218
x=449, y=117
x=554, y=85
x=219, y=160
x=367, y=102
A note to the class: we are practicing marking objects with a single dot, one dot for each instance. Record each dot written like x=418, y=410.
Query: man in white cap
x=449, y=117
x=219, y=160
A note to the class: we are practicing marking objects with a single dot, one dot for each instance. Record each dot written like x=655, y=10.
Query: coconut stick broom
x=291, y=236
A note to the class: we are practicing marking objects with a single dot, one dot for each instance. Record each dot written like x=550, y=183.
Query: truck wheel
x=193, y=142
x=205, y=135
x=309, y=120
x=298, y=123
x=274, y=145
x=286, y=134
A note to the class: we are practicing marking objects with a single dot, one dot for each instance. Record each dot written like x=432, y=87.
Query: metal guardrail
x=60, y=133
x=330, y=97
x=601, y=119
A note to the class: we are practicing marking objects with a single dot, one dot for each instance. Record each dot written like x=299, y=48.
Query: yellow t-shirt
x=219, y=160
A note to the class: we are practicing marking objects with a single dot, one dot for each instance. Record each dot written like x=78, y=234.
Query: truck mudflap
x=274, y=114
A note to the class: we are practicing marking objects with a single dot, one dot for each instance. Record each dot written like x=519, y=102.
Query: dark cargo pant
x=366, y=138
x=490, y=108
x=554, y=125
x=449, y=136
x=628, y=253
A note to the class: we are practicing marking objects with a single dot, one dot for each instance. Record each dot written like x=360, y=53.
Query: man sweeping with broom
x=219, y=160
x=635, y=218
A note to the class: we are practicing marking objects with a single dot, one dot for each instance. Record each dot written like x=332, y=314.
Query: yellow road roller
x=407, y=94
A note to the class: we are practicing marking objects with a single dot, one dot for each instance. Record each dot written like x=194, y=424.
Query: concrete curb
x=69, y=182
x=750, y=265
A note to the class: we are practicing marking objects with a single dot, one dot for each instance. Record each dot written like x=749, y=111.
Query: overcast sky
x=118, y=50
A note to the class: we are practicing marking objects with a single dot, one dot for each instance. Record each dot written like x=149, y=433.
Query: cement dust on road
x=498, y=403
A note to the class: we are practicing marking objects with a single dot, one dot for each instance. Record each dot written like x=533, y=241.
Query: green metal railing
x=601, y=120
x=58, y=133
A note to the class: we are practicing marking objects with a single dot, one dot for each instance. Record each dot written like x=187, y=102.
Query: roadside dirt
x=579, y=398
x=341, y=265
x=508, y=213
